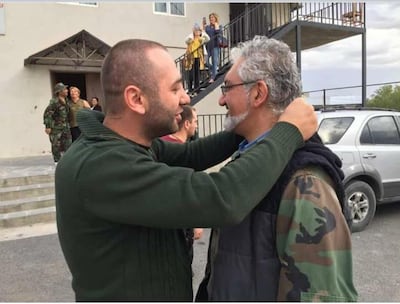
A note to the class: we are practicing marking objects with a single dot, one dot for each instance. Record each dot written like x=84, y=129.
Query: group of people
x=60, y=120
x=281, y=227
x=202, y=50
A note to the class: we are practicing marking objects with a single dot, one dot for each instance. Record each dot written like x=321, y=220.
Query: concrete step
x=27, y=200
x=27, y=217
x=26, y=180
x=25, y=191
x=27, y=203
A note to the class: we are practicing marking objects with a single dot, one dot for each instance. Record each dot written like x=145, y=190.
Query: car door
x=379, y=147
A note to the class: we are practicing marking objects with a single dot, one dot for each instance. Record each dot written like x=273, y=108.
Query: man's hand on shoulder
x=301, y=114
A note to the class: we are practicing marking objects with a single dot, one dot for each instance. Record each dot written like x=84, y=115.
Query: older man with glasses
x=295, y=245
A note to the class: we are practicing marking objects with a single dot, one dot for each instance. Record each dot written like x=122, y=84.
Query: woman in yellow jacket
x=195, y=55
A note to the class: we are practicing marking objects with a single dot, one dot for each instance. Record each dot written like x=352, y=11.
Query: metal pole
x=246, y=22
x=364, y=64
x=298, y=45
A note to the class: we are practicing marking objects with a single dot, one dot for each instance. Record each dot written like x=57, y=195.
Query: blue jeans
x=214, y=55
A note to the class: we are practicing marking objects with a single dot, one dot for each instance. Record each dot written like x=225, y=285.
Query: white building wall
x=32, y=27
x=209, y=105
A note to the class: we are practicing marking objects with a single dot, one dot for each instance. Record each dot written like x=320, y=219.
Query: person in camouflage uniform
x=56, y=120
x=296, y=244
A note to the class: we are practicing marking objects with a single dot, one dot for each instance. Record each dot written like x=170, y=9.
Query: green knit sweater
x=121, y=206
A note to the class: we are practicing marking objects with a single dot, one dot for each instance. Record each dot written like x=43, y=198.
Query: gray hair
x=270, y=60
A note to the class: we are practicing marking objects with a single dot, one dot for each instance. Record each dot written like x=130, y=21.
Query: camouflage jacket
x=294, y=246
x=57, y=115
x=313, y=242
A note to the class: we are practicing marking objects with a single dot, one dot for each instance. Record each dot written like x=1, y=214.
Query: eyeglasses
x=226, y=88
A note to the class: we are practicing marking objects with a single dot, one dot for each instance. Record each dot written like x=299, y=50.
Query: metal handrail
x=212, y=123
x=340, y=95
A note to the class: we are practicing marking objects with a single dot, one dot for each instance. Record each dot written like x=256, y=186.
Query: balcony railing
x=344, y=14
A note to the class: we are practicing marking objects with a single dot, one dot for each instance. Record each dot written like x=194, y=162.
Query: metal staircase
x=301, y=25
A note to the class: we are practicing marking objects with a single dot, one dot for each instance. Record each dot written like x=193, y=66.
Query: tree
x=386, y=97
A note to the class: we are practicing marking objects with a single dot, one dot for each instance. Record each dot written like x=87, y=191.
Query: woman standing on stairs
x=213, y=30
x=195, y=55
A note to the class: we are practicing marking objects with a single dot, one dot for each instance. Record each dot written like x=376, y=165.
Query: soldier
x=56, y=120
x=296, y=244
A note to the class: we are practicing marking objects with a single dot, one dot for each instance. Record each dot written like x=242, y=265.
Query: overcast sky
x=338, y=64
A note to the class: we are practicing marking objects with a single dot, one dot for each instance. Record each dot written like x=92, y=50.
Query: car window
x=380, y=131
x=331, y=130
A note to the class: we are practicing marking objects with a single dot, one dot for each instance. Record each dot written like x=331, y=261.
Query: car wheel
x=362, y=202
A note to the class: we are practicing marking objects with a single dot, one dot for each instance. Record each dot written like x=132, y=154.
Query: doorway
x=72, y=79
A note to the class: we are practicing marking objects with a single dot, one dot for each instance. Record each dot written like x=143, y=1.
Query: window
x=177, y=9
x=331, y=130
x=160, y=7
x=170, y=8
x=380, y=131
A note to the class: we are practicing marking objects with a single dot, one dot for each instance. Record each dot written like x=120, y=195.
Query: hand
x=301, y=114
x=48, y=131
x=198, y=233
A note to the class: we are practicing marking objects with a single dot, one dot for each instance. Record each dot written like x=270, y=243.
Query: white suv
x=367, y=140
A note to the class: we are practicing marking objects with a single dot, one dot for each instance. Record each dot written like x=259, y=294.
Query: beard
x=160, y=121
x=231, y=122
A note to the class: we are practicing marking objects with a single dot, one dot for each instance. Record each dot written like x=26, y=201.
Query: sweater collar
x=91, y=124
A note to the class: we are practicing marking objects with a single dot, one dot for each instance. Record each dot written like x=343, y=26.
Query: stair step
x=26, y=180
x=27, y=217
x=27, y=203
x=19, y=192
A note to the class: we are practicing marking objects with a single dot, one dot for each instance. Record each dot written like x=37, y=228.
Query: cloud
x=344, y=53
x=339, y=63
x=383, y=47
x=383, y=15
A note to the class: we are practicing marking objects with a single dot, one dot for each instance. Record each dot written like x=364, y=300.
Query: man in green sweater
x=123, y=195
